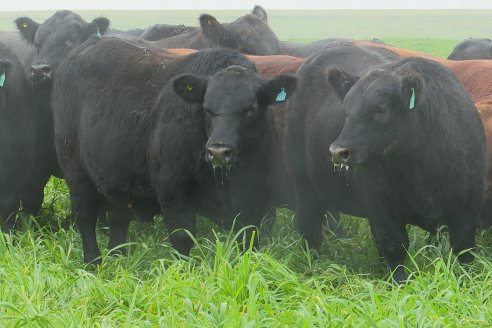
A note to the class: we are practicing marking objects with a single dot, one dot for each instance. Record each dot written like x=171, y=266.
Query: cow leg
x=9, y=205
x=32, y=194
x=176, y=224
x=462, y=237
x=392, y=241
x=310, y=215
x=119, y=221
x=179, y=215
x=85, y=201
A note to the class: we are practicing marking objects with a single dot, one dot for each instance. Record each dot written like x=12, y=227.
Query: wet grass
x=45, y=282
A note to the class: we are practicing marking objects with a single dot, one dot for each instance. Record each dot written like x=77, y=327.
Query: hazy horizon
x=243, y=4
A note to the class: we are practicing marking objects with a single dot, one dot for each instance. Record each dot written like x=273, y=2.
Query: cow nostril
x=344, y=154
x=227, y=152
x=46, y=69
x=340, y=155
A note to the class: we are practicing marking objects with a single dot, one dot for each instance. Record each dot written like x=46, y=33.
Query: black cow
x=412, y=151
x=53, y=39
x=248, y=34
x=18, y=117
x=23, y=50
x=162, y=31
x=472, y=49
x=314, y=118
x=123, y=134
x=56, y=37
x=304, y=50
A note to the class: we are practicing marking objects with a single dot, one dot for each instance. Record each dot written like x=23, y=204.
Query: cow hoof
x=399, y=276
x=181, y=242
x=93, y=259
x=466, y=257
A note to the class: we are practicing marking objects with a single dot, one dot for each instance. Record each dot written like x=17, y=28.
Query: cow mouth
x=340, y=167
x=42, y=81
x=222, y=173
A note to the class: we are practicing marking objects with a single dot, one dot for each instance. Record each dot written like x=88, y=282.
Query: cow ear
x=278, y=89
x=27, y=27
x=190, y=88
x=215, y=31
x=98, y=26
x=412, y=90
x=340, y=80
x=261, y=13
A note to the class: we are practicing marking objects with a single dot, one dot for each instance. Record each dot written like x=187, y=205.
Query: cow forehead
x=235, y=87
x=373, y=90
x=59, y=26
x=247, y=23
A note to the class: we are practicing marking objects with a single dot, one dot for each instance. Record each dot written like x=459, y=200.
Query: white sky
x=9, y=5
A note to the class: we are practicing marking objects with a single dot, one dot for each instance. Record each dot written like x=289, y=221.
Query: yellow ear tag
x=25, y=25
x=189, y=87
x=209, y=22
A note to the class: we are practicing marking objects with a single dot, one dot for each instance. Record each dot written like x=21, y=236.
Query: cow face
x=235, y=103
x=248, y=34
x=55, y=38
x=377, y=108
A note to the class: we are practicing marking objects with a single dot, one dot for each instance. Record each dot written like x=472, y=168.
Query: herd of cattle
x=138, y=123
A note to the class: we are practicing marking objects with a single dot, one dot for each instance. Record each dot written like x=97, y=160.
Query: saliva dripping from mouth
x=222, y=173
x=341, y=168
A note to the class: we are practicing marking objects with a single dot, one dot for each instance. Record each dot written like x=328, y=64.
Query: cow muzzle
x=340, y=155
x=219, y=154
x=41, y=72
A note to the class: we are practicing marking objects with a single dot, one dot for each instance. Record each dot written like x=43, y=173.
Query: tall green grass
x=46, y=284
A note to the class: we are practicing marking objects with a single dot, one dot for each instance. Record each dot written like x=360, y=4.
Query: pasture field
x=44, y=282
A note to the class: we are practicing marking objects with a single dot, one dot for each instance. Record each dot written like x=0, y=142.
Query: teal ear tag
x=412, y=99
x=98, y=34
x=2, y=80
x=281, y=95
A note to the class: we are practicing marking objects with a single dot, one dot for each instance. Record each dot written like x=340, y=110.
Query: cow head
x=377, y=106
x=235, y=103
x=55, y=38
x=248, y=34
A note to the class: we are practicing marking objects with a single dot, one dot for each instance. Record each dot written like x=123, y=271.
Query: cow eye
x=73, y=38
x=209, y=112
x=380, y=110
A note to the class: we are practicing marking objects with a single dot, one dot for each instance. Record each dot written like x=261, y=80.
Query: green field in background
x=312, y=24
x=431, y=31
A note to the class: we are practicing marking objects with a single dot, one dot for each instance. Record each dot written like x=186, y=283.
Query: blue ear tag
x=2, y=80
x=98, y=34
x=412, y=99
x=281, y=95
